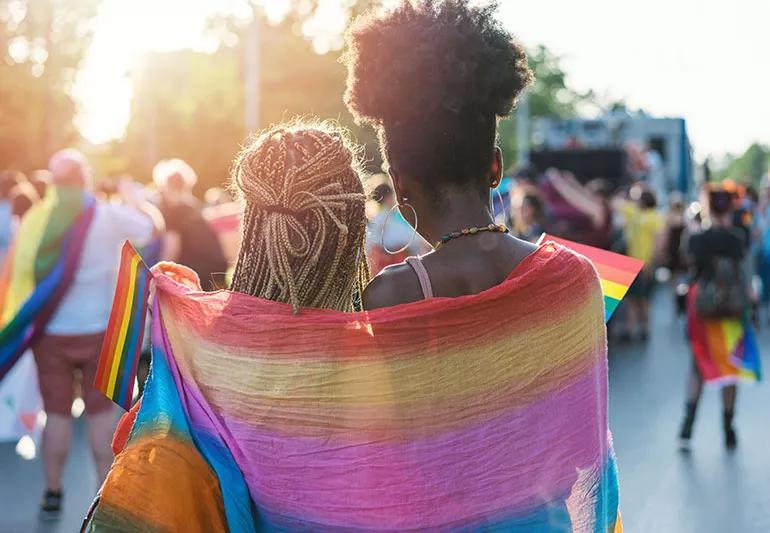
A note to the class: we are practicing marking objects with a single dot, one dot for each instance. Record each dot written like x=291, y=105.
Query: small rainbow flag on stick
x=122, y=345
x=617, y=272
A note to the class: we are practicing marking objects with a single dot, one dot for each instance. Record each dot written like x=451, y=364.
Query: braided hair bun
x=304, y=224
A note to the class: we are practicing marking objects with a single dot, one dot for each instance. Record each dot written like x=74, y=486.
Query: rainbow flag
x=616, y=272
x=418, y=417
x=40, y=268
x=116, y=373
x=725, y=350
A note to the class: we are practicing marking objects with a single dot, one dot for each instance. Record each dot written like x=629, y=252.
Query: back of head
x=433, y=77
x=720, y=201
x=174, y=175
x=69, y=167
x=304, y=225
x=643, y=196
x=648, y=200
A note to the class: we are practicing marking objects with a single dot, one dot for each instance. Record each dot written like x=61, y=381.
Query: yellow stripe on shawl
x=406, y=385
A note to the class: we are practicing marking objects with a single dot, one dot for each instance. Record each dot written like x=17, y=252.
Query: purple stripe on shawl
x=429, y=484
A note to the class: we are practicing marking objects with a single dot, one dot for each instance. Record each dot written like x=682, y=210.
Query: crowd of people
x=682, y=245
x=309, y=230
x=626, y=217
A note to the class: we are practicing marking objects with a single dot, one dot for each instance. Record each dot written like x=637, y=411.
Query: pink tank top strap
x=422, y=276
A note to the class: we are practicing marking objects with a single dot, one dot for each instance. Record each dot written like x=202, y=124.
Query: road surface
x=707, y=491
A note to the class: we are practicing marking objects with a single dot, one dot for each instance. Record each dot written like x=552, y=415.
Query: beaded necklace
x=475, y=230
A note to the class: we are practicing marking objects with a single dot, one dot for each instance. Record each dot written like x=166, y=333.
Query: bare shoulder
x=397, y=284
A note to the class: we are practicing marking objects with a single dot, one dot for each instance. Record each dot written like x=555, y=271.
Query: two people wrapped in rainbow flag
x=470, y=393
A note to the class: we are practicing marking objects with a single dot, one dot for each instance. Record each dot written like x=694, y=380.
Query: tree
x=191, y=105
x=549, y=96
x=749, y=167
x=42, y=43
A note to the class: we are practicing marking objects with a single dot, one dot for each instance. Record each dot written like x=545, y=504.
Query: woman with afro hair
x=433, y=78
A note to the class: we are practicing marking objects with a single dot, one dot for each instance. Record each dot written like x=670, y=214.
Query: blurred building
x=664, y=141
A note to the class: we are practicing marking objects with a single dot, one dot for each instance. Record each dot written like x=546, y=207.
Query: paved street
x=709, y=491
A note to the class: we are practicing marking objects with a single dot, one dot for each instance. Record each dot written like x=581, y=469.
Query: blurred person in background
x=592, y=203
x=23, y=196
x=674, y=236
x=763, y=254
x=528, y=215
x=656, y=174
x=716, y=254
x=189, y=239
x=69, y=328
x=643, y=230
x=224, y=215
x=8, y=180
x=215, y=196
x=40, y=180
x=390, y=239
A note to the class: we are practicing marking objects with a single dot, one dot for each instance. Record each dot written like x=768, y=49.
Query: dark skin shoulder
x=468, y=265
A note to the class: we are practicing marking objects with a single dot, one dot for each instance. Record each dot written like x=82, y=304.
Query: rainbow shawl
x=726, y=351
x=479, y=413
x=40, y=268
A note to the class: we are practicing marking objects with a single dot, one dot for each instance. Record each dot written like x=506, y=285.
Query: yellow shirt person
x=643, y=227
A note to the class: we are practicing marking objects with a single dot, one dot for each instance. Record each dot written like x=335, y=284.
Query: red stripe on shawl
x=213, y=316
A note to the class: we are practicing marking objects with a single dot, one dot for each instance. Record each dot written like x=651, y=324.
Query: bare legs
x=57, y=437
x=101, y=427
x=56, y=447
x=694, y=389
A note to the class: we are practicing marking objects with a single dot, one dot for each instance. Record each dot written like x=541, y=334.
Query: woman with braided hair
x=304, y=224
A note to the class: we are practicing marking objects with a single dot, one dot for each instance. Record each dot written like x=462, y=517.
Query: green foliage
x=191, y=105
x=42, y=43
x=186, y=105
x=548, y=96
x=749, y=167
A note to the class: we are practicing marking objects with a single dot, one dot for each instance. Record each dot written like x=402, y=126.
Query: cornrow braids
x=304, y=224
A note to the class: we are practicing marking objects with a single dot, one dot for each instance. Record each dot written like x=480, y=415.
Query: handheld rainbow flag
x=122, y=345
x=617, y=272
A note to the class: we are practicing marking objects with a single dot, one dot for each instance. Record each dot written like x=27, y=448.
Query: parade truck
x=662, y=143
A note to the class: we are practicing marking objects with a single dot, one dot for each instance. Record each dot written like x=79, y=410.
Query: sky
x=704, y=60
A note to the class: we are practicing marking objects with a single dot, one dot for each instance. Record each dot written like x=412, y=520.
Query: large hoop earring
x=385, y=225
x=492, y=202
